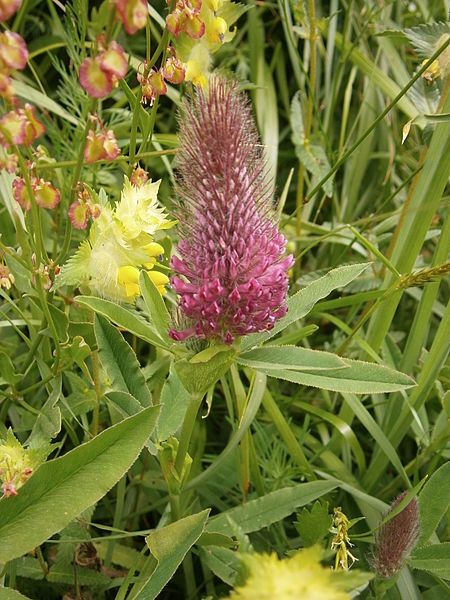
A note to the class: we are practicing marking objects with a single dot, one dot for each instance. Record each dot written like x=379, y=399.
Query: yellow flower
x=299, y=576
x=120, y=243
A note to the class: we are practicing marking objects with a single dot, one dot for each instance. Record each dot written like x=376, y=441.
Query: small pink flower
x=97, y=82
x=9, y=489
x=6, y=88
x=8, y=8
x=8, y=161
x=79, y=214
x=13, y=50
x=153, y=85
x=114, y=61
x=101, y=146
x=174, y=71
x=185, y=19
x=133, y=14
x=33, y=127
x=21, y=194
x=138, y=177
x=47, y=196
x=12, y=128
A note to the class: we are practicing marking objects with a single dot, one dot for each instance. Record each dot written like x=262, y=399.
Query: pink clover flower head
x=8, y=8
x=231, y=268
x=395, y=540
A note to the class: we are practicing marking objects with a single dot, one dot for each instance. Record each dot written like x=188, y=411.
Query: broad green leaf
x=293, y=358
x=270, y=508
x=120, y=362
x=169, y=545
x=122, y=405
x=223, y=562
x=10, y=594
x=434, y=558
x=85, y=576
x=198, y=377
x=174, y=401
x=315, y=161
x=64, y=487
x=123, y=317
x=159, y=315
x=359, y=378
x=434, y=500
x=302, y=302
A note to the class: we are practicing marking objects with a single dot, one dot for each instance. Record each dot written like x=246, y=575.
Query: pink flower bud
x=110, y=147
x=114, y=61
x=133, y=14
x=193, y=27
x=152, y=86
x=8, y=8
x=138, y=177
x=46, y=195
x=174, y=71
x=13, y=50
x=21, y=194
x=97, y=82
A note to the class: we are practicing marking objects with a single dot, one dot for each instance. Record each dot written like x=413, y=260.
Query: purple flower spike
x=395, y=540
x=230, y=272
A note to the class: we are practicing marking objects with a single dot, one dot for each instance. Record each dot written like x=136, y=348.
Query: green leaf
x=359, y=378
x=29, y=94
x=314, y=524
x=48, y=422
x=10, y=594
x=174, y=400
x=198, y=377
x=223, y=562
x=64, y=487
x=169, y=545
x=123, y=317
x=270, y=508
x=159, y=315
x=302, y=302
x=120, y=362
x=434, y=500
x=292, y=358
x=434, y=558
x=315, y=161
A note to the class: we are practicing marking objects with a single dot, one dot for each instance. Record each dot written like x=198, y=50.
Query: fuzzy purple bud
x=230, y=272
x=395, y=540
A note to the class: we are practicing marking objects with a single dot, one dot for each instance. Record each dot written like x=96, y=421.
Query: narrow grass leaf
x=292, y=358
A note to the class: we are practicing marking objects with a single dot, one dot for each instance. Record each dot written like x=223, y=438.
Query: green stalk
x=186, y=431
x=244, y=447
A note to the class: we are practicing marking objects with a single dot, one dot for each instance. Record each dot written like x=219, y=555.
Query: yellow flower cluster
x=299, y=576
x=120, y=244
x=216, y=17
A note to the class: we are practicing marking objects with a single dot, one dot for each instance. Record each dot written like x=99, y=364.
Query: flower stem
x=186, y=431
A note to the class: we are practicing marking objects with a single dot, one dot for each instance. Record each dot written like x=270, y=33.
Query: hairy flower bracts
x=395, y=540
x=299, y=576
x=120, y=244
x=230, y=272
x=199, y=28
x=17, y=463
